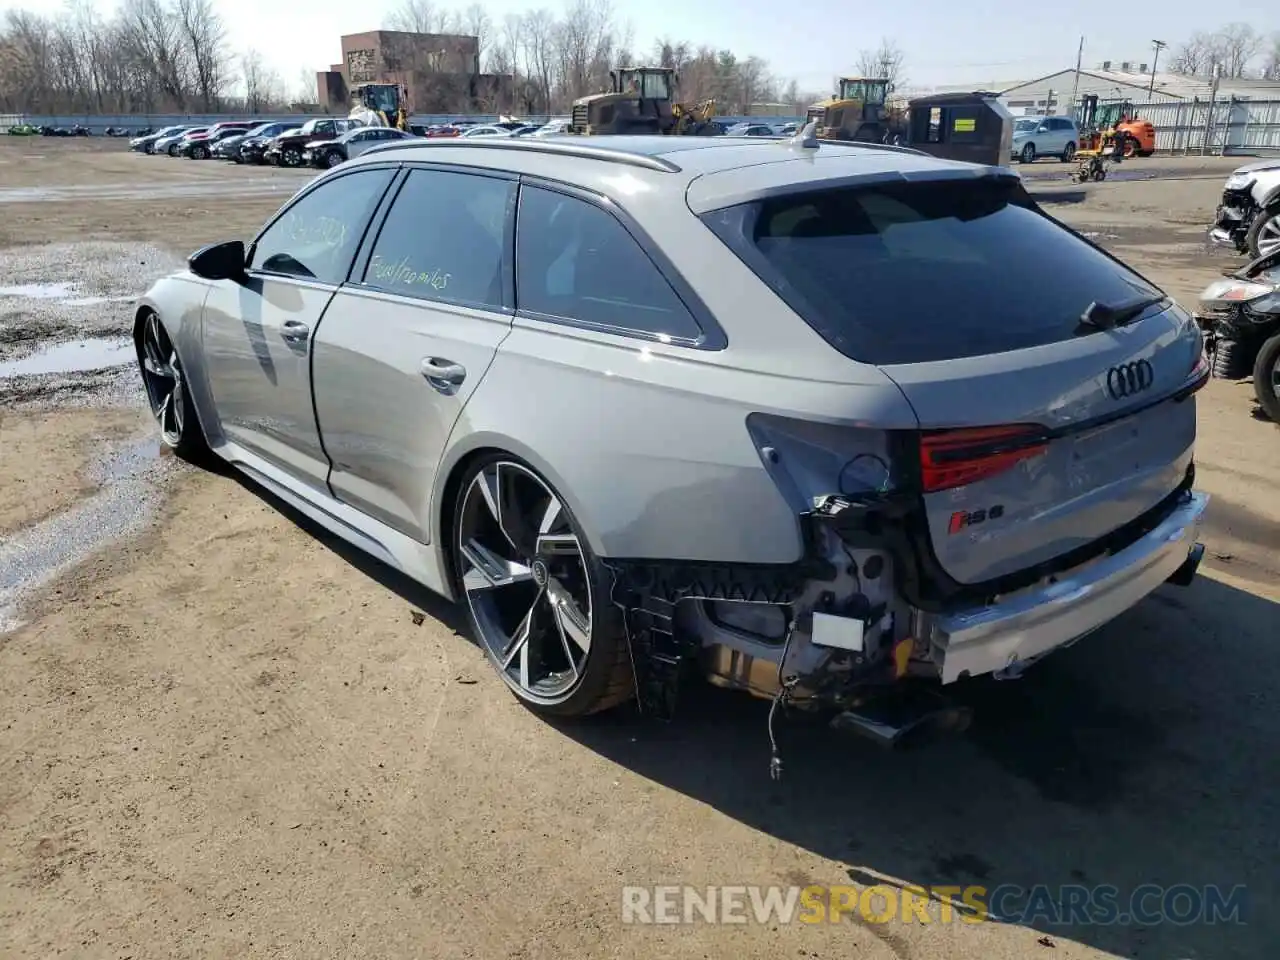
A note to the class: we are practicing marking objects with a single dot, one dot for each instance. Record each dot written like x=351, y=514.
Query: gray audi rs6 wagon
x=773, y=413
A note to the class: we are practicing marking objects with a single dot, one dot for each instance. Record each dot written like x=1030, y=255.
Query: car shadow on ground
x=1140, y=756
x=409, y=590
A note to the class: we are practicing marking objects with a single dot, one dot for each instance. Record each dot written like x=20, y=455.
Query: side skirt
x=418, y=561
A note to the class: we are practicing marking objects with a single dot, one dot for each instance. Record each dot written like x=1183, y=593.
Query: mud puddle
x=65, y=294
x=127, y=497
x=73, y=356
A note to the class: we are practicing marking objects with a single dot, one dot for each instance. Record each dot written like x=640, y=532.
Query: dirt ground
x=223, y=733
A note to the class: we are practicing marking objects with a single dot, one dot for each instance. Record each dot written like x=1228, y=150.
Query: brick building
x=441, y=71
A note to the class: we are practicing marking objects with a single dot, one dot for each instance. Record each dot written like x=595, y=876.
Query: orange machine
x=1100, y=125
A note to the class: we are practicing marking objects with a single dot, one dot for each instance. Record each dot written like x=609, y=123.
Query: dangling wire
x=783, y=693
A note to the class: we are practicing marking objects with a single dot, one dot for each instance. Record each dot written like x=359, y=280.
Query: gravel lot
x=224, y=734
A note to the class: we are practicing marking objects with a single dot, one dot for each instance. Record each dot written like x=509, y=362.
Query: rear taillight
x=955, y=458
x=1199, y=374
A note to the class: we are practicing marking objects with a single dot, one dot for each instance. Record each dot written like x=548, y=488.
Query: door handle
x=443, y=374
x=295, y=331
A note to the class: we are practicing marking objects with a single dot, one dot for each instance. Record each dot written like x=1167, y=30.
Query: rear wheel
x=1266, y=378
x=1130, y=148
x=1029, y=153
x=162, y=375
x=538, y=599
x=1068, y=153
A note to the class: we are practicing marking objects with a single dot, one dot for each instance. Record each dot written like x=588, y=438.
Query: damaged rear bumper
x=1000, y=637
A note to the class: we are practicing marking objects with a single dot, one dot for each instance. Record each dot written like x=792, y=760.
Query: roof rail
x=563, y=147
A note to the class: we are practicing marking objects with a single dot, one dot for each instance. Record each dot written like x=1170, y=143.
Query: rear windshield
x=918, y=272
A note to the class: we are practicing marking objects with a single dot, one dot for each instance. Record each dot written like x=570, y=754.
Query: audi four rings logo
x=1129, y=378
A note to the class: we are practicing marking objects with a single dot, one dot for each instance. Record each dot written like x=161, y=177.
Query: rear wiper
x=1107, y=316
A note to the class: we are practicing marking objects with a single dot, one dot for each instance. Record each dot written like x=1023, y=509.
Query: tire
x=200, y=153
x=550, y=670
x=1130, y=148
x=1232, y=359
x=1264, y=232
x=1028, y=154
x=1266, y=378
x=173, y=150
x=164, y=381
x=332, y=158
x=291, y=157
x=1068, y=153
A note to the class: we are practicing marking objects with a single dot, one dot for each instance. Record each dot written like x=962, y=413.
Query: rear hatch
x=1044, y=424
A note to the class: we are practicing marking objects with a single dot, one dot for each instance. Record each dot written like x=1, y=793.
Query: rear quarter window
x=920, y=272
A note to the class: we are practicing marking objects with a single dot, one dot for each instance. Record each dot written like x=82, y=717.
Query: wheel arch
x=454, y=467
x=181, y=336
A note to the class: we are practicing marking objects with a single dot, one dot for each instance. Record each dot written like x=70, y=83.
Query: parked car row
x=78, y=130
x=320, y=142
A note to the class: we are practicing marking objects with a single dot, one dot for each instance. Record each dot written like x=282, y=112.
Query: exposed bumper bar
x=1026, y=626
x=1221, y=237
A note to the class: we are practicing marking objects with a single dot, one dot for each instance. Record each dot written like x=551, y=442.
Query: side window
x=325, y=126
x=576, y=261
x=317, y=237
x=445, y=239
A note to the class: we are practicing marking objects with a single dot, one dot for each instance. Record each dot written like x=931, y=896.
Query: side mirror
x=219, y=261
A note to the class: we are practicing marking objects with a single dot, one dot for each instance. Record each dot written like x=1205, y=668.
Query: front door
x=257, y=333
x=403, y=347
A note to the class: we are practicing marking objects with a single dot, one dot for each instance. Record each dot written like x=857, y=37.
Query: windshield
x=912, y=273
x=650, y=86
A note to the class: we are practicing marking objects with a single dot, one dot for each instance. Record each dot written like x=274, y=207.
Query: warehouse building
x=1111, y=80
x=440, y=70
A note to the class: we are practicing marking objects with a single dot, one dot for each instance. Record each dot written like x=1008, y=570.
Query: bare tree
x=206, y=38
x=885, y=61
x=1238, y=44
x=253, y=74
x=157, y=56
x=1191, y=58
x=1232, y=49
x=418, y=16
x=476, y=22
x=1271, y=69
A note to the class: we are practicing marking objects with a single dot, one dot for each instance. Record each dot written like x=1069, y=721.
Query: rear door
x=1040, y=433
x=404, y=345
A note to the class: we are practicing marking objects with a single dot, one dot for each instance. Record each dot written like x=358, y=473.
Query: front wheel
x=1029, y=153
x=1263, y=237
x=1266, y=378
x=332, y=159
x=538, y=600
x=291, y=157
x=162, y=375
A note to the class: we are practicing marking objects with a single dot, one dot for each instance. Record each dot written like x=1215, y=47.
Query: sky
x=979, y=42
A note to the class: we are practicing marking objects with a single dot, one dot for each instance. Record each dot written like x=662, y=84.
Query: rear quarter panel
x=648, y=442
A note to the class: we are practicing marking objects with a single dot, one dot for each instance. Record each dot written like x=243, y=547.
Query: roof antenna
x=806, y=137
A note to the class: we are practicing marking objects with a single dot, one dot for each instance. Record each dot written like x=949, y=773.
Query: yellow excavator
x=858, y=112
x=641, y=100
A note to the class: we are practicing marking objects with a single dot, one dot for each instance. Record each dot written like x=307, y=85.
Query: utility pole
x=1075, y=87
x=1155, y=61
